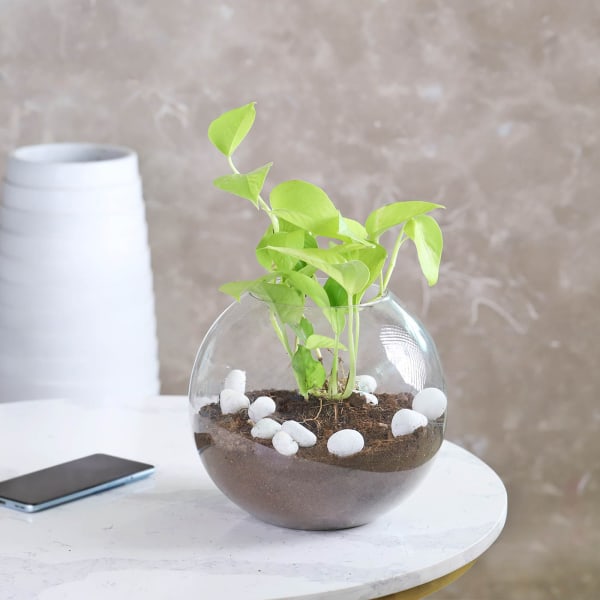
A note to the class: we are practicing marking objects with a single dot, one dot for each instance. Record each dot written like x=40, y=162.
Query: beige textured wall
x=491, y=108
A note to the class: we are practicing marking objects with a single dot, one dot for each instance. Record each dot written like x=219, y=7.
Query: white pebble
x=405, y=421
x=233, y=401
x=430, y=402
x=366, y=383
x=265, y=429
x=345, y=442
x=262, y=407
x=305, y=437
x=284, y=443
x=236, y=380
x=370, y=398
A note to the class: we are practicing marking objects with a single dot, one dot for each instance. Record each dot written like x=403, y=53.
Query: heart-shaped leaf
x=304, y=329
x=275, y=260
x=352, y=275
x=391, y=215
x=287, y=302
x=310, y=287
x=427, y=236
x=227, y=131
x=245, y=185
x=237, y=289
x=305, y=205
x=336, y=293
x=372, y=257
x=310, y=373
x=322, y=341
x=351, y=230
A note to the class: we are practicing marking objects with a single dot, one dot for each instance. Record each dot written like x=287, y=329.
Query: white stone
x=365, y=383
x=304, y=436
x=430, y=402
x=265, y=429
x=345, y=442
x=285, y=444
x=405, y=421
x=370, y=398
x=262, y=407
x=236, y=380
x=233, y=401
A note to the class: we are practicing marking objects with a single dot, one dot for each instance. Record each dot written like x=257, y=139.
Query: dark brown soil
x=382, y=452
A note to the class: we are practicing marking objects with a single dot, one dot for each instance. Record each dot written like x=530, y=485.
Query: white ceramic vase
x=77, y=314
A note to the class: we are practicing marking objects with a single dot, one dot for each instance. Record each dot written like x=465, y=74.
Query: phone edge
x=32, y=508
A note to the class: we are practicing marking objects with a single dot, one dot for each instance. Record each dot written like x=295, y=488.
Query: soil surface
x=382, y=452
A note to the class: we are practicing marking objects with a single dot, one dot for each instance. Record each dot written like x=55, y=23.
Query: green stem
x=333, y=382
x=233, y=167
x=356, y=333
x=393, y=257
x=352, y=349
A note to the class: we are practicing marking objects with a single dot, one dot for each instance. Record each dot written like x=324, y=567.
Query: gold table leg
x=429, y=588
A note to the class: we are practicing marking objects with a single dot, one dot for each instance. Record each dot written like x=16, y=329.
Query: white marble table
x=176, y=535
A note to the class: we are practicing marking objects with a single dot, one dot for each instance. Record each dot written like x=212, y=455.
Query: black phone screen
x=69, y=478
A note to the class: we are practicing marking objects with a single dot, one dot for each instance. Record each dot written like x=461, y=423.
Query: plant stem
x=233, y=167
x=394, y=255
x=356, y=333
x=333, y=376
x=352, y=349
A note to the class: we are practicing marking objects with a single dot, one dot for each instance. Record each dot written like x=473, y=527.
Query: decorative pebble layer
x=288, y=435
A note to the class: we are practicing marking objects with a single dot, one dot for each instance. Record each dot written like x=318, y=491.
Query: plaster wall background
x=490, y=108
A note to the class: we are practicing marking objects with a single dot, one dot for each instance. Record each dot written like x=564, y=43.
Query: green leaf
x=338, y=298
x=337, y=295
x=352, y=275
x=306, y=206
x=310, y=373
x=304, y=329
x=372, y=257
x=310, y=287
x=227, y=131
x=286, y=239
x=311, y=223
x=349, y=229
x=391, y=215
x=317, y=293
x=427, y=236
x=245, y=185
x=237, y=289
x=317, y=257
x=322, y=341
x=287, y=302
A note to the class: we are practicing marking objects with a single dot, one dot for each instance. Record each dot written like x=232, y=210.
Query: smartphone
x=69, y=481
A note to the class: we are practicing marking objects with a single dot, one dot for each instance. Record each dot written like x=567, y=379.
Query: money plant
x=315, y=256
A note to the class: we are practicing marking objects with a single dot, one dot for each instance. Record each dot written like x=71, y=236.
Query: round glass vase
x=252, y=346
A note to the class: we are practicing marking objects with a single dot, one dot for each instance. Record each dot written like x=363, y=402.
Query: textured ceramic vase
x=313, y=488
x=77, y=314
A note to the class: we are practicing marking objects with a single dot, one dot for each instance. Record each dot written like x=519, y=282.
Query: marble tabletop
x=175, y=533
